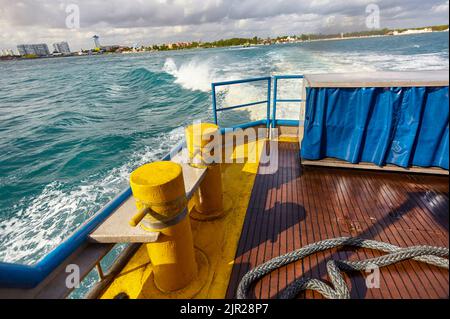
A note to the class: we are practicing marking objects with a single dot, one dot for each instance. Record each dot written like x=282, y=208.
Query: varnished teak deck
x=298, y=205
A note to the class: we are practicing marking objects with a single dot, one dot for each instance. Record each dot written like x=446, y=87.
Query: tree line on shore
x=281, y=39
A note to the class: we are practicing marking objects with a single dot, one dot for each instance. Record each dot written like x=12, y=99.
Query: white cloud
x=441, y=8
x=155, y=21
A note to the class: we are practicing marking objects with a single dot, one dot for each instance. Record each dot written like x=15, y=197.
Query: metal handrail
x=270, y=121
x=227, y=83
x=276, y=100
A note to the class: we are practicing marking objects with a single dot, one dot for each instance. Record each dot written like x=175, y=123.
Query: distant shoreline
x=19, y=58
x=374, y=36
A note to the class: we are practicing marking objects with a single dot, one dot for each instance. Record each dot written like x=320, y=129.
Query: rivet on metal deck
x=298, y=205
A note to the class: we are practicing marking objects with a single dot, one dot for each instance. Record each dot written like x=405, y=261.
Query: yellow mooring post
x=201, y=139
x=159, y=188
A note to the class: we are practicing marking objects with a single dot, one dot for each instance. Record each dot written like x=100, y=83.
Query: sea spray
x=193, y=75
x=60, y=208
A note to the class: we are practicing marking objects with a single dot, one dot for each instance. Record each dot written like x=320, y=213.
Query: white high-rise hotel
x=6, y=52
x=61, y=47
x=33, y=49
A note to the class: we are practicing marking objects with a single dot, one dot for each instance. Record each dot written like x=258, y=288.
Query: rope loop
x=154, y=220
x=435, y=256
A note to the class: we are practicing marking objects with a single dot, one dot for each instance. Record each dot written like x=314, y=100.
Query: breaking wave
x=195, y=75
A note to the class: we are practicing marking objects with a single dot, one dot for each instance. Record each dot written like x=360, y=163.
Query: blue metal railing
x=270, y=121
x=227, y=83
x=287, y=122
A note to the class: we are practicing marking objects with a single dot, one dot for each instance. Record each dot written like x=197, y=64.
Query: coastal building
x=25, y=49
x=40, y=49
x=61, y=47
x=6, y=52
x=96, y=41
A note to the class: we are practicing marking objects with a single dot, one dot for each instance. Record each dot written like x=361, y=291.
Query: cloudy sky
x=131, y=22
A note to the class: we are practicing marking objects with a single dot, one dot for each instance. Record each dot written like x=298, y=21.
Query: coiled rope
x=338, y=288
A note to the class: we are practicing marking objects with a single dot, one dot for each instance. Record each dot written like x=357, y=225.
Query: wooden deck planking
x=297, y=206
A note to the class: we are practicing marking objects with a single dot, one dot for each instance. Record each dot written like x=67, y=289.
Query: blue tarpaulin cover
x=401, y=126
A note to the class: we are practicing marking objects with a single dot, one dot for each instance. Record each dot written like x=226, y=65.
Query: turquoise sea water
x=71, y=130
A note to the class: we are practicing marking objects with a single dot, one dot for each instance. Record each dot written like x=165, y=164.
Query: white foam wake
x=357, y=62
x=195, y=75
x=43, y=222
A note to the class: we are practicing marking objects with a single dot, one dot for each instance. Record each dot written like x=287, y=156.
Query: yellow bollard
x=160, y=187
x=208, y=200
